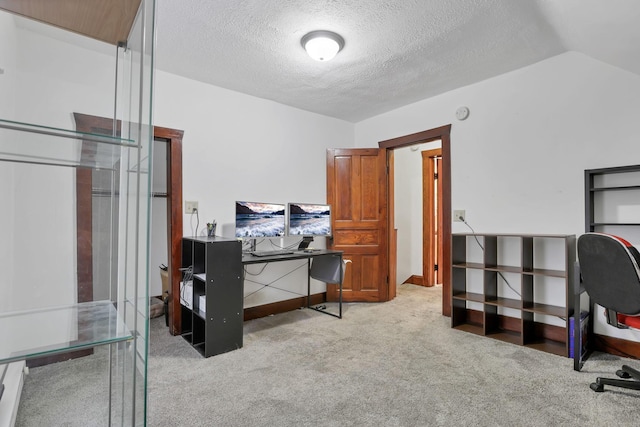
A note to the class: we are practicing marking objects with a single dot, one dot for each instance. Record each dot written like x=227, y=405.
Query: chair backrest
x=610, y=273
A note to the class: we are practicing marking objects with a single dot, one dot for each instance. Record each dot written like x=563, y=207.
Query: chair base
x=625, y=372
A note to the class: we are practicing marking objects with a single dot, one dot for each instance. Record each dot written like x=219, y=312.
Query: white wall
x=7, y=65
x=517, y=162
x=7, y=185
x=239, y=147
x=236, y=147
x=49, y=79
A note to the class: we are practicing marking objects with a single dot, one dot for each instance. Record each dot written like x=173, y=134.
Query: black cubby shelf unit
x=612, y=203
x=216, y=264
x=607, y=191
x=532, y=305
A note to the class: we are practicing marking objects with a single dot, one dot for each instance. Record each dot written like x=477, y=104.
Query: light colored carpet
x=390, y=364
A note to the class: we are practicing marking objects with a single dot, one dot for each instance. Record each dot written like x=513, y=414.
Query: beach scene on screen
x=309, y=220
x=259, y=219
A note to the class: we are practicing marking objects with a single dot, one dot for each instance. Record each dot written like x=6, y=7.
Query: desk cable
x=187, y=276
x=195, y=211
x=287, y=247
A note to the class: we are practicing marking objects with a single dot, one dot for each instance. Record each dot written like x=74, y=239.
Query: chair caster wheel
x=622, y=374
x=596, y=387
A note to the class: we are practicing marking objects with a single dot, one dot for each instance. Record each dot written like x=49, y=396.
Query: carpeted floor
x=390, y=364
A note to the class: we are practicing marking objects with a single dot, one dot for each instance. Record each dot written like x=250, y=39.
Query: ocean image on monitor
x=309, y=219
x=259, y=219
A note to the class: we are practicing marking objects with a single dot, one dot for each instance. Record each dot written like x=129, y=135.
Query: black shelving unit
x=607, y=193
x=216, y=267
x=482, y=308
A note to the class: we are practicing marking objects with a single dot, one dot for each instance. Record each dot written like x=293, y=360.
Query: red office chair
x=611, y=277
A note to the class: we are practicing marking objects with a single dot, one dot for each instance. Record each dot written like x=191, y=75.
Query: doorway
x=444, y=205
x=173, y=196
x=417, y=212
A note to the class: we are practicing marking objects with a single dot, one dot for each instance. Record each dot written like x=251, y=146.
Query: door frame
x=173, y=137
x=442, y=133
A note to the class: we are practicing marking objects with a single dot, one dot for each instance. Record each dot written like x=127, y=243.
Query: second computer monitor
x=306, y=219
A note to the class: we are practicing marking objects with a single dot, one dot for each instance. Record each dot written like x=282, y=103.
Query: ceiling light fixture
x=322, y=45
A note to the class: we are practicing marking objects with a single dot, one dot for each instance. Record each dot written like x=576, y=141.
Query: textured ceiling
x=396, y=52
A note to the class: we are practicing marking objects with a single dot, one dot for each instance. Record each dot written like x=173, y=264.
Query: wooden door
x=357, y=193
x=432, y=254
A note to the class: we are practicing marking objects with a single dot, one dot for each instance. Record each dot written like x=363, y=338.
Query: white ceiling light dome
x=322, y=45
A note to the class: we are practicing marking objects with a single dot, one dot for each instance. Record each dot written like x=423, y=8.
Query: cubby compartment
x=517, y=290
x=611, y=199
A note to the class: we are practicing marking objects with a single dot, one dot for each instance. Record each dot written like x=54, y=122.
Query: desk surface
x=250, y=259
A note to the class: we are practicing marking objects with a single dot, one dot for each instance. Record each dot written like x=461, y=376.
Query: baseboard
x=616, y=346
x=513, y=324
x=415, y=280
x=61, y=357
x=13, y=381
x=282, y=306
x=603, y=343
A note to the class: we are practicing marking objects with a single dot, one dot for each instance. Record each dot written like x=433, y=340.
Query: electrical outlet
x=459, y=216
x=190, y=207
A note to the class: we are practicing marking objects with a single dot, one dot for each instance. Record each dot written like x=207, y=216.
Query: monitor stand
x=305, y=243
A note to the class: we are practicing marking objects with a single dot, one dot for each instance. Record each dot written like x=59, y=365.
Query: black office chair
x=609, y=267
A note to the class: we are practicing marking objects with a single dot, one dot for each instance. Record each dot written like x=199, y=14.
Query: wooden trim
x=440, y=253
x=514, y=324
x=173, y=137
x=605, y=344
x=616, y=346
x=282, y=306
x=446, y=221
x=415, y=138
x=84, y=213
x=415, y=280
x=429, y=228
x=109, y=21
x=475, y=317
x=174, y=211
x=443, y=134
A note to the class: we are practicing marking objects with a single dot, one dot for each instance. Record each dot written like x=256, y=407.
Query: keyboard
x=272, y=253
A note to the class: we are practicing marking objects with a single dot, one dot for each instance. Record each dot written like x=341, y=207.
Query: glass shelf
x=28, y=143
x=34, y=333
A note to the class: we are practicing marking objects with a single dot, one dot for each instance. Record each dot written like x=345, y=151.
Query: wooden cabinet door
x=357, y=193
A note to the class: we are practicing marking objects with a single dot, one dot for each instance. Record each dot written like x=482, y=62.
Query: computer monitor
x=255, y=219
x=309, y=220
